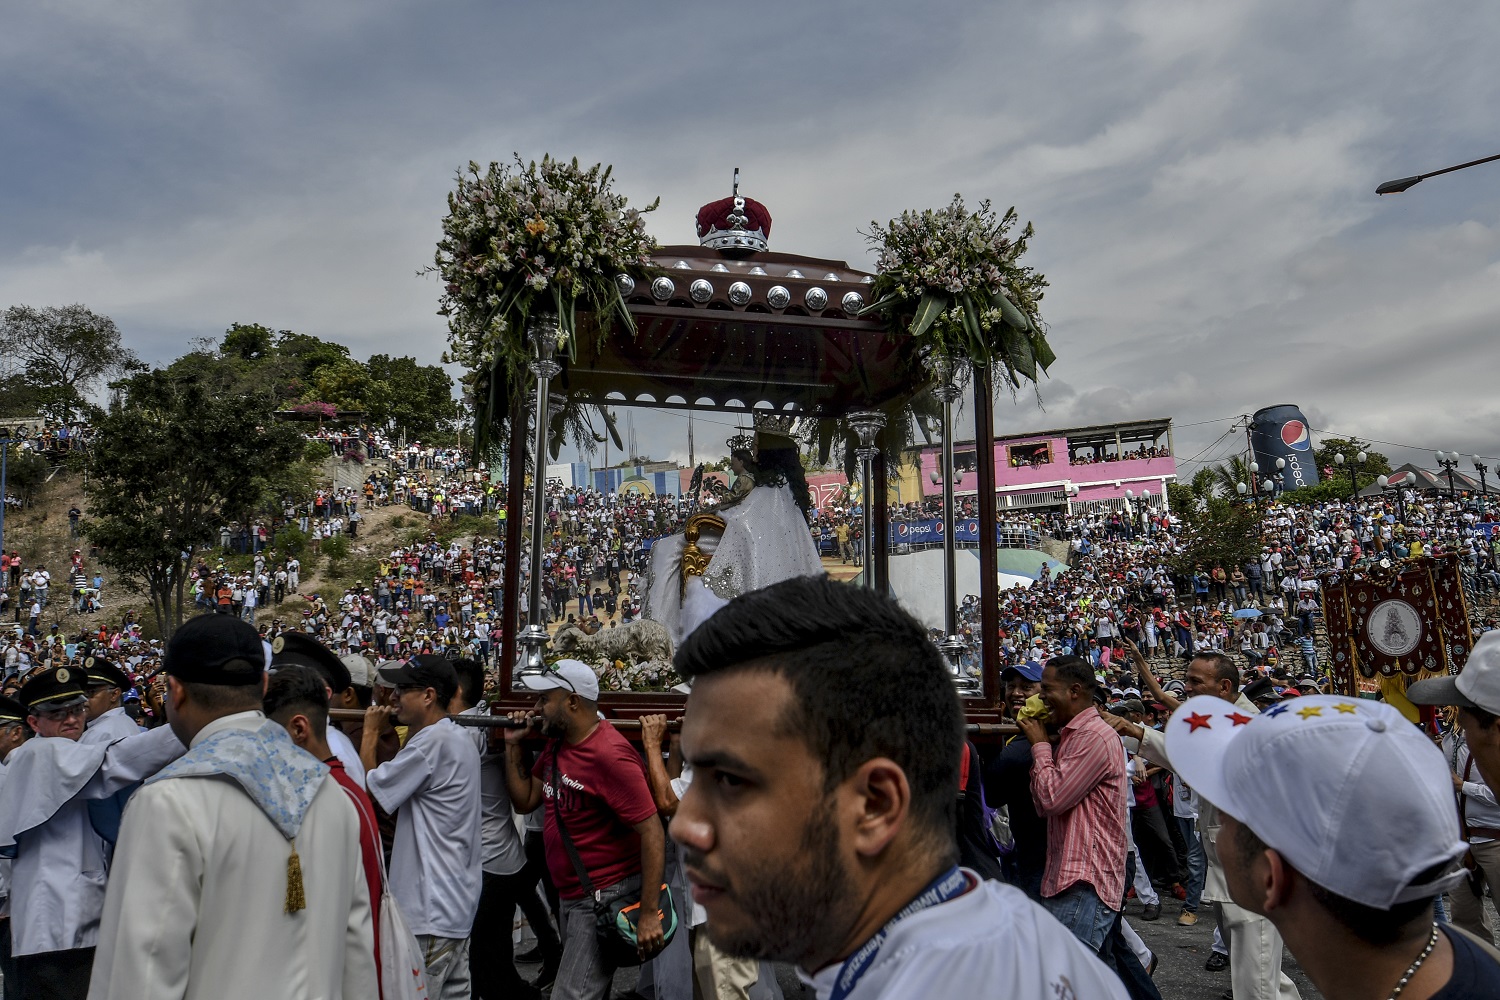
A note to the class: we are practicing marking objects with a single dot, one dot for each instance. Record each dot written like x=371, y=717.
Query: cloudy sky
x=1201, y=176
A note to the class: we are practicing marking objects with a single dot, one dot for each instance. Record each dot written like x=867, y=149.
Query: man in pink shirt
x=1079, y=786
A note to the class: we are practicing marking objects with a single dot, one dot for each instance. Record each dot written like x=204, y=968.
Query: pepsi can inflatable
x=1281, y=432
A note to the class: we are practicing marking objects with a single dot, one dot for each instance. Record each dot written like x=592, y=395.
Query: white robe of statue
x=766, y=540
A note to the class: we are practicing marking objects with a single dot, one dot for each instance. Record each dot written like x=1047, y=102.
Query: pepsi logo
x=938, y=527
x=1295, y=436
x=971, y=526
x=901, y=529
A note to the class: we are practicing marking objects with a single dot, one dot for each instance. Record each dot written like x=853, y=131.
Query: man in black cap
x=436, y=861
x=246, y=885
x=105, y=684
x=13, y=732
x=303, y=649
x=46, y=823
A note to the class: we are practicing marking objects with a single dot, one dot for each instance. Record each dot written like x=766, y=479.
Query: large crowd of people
x=1118, y=642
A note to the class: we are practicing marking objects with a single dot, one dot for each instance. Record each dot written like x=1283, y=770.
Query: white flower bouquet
x=954, y=279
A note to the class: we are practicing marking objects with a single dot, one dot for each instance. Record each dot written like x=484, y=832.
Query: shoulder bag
x=618, y=908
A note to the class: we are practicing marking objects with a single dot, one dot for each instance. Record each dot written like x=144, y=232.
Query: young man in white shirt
x=434, y=783
x=825, y=737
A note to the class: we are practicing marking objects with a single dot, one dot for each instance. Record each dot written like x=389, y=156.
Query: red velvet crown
x=734, y=223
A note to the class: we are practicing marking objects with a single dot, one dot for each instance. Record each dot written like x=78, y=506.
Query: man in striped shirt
x=1079, y=786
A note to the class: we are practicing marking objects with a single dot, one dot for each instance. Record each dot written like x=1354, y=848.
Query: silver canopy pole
x=543, y=332
x=866, y=424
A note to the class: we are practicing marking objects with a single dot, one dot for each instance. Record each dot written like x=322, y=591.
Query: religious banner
x=1405, y=619
x=1336, y=621
x=1453, y=610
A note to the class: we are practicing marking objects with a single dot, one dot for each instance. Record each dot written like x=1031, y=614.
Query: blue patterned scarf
x=278, y=776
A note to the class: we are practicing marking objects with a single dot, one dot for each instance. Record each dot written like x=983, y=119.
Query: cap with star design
x=1352, y=795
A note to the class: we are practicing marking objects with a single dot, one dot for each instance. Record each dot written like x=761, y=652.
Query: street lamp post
x=1449, y=461
x=1484, y=490
x=1359, y=459
x=1399, y=484
x=4, y=457
x=1397, y=186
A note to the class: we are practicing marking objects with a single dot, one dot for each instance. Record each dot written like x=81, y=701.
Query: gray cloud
x=1201, y=177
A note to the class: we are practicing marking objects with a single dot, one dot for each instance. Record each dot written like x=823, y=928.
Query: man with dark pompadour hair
x=825, y=737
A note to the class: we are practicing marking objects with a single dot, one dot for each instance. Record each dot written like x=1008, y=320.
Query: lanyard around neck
x=949, y=885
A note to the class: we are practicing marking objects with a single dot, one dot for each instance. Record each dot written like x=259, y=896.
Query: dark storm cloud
x=1201, y=176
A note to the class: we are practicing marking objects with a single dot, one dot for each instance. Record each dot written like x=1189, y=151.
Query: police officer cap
x=98, y=670
x=299, y=647
x=55, y=688
x=11, y=711
x=215, y=649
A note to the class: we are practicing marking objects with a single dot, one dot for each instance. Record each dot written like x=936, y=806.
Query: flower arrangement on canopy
x=953, y=279
x=521, y=238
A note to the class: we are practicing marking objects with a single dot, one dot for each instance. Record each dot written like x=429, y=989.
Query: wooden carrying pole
x=624, y=725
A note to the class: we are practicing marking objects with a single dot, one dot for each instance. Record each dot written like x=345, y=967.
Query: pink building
x=1114, y=466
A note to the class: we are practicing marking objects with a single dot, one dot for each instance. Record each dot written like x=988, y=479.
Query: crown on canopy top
x=734, y=223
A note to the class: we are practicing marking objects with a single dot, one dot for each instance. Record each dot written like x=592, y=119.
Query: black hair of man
x=865, y=681
x=224, y=697
x=470, y=680
x=1368, y=923
x=1224, y=667
x=297, y=689
x=1074, y=670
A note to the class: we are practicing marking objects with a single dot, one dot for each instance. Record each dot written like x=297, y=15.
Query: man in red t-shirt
x=592, y=778
x=297, y=698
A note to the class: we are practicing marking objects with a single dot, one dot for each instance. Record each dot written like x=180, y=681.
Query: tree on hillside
x=1218, y=530
x=248, y=342
x=62, y=353
x=311, y=352
x=410, y=399
x=183, y=458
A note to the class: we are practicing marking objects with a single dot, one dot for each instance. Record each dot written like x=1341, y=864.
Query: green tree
x=345, y=383
x=25, y=472
x=248, y=342
x=310, y=352
x=183, y=457
x=1374, y=466
x=408, y=399
x=62, y=353
x=1217, y=530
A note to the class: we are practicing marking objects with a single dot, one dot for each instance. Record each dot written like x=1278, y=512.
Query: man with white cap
x=594, y=784
x=1346, y=848
x=1473, y=754
x=1254, y=946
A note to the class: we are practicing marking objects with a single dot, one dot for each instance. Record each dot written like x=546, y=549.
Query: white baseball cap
x=570, y=675
x=1477, y=687
x=1355, y=798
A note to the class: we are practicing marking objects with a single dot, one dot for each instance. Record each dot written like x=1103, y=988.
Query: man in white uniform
x=105, y=684
x=436, y=867
x=13, y=733
x=249, y=884
x=825, y=736
x=57, y=794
